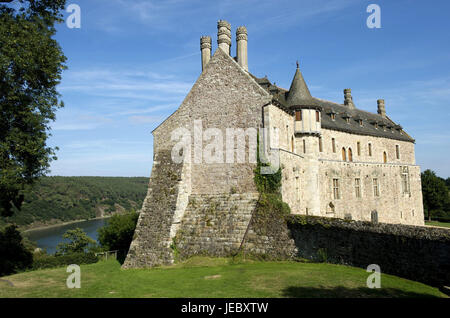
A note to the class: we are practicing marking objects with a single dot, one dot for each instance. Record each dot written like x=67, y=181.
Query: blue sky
x=132, y=62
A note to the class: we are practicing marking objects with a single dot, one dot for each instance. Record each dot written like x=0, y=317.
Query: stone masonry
x=337, y=161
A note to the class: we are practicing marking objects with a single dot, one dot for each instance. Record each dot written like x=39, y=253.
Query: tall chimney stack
x=381, y=108
x=205, y=47
x=224, y=35
x=241, y=47
x=348, y=99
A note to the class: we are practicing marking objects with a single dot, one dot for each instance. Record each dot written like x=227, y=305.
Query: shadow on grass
x=345, y=292
x=121, y=256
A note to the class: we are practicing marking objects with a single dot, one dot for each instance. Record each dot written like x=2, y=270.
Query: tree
x=434, y=192
x=14, y=256
x=31, y=63
x=118, y=233
x=79, y=242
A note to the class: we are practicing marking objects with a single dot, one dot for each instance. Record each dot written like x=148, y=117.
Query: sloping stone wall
x=414, y=252
x=151, y=241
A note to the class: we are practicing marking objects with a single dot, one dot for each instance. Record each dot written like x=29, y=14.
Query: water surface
x=49, y=238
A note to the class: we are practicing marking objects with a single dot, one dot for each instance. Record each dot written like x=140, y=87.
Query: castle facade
x=337, y=160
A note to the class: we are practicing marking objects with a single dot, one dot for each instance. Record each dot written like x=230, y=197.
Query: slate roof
x=299, y=94
x=386, y=127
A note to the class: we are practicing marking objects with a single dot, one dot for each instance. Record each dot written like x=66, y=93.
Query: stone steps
x=214, y=224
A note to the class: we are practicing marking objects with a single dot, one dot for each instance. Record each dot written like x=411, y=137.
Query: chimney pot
x=205, y=48
x=241, y=47
x=348, y=99
x=381, y=107
x=224, y=35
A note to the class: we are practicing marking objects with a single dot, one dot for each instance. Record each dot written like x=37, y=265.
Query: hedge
x=48, y=261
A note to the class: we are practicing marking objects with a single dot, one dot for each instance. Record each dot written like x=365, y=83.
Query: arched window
x=350, y=154
x=384, y=157
x=330, y=208
x=344, y=154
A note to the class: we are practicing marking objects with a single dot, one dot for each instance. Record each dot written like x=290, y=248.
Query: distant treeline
x=62, y=199
x=436, y=196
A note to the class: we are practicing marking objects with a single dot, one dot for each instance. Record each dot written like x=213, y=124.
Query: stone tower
x=307, y=129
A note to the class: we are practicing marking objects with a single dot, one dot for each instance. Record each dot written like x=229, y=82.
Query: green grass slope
x=205, y=277
x=436, y=223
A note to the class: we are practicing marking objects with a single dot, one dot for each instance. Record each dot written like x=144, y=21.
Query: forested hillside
x=61, y=199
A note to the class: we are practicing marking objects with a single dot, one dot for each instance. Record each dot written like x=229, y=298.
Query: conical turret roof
x=299, y=94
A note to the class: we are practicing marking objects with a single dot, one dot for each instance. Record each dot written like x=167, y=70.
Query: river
x=49, y=238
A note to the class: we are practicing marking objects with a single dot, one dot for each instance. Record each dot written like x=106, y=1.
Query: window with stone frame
x=358, y=148
x=333, y=144
x=298, y=115
x=376, y=187
x=404, y=172
x=292, y=144
x=370, y=149
x=358, y=187
x=320, y=144
x=336, y=192
x=397, y=151
x=317, y=116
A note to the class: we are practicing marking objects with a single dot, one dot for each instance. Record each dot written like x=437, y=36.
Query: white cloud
x=145, y=119
x=74, y=126
x=125, y=84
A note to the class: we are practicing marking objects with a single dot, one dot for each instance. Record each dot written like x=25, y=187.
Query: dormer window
x=333, y=116
x=360, y=122
x=376, y=125
x=346, y=117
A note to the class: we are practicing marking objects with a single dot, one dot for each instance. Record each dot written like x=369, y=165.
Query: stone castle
x=337, y=161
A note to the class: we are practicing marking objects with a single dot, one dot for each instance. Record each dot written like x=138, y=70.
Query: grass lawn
x=436, y=223
x=219, y=277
